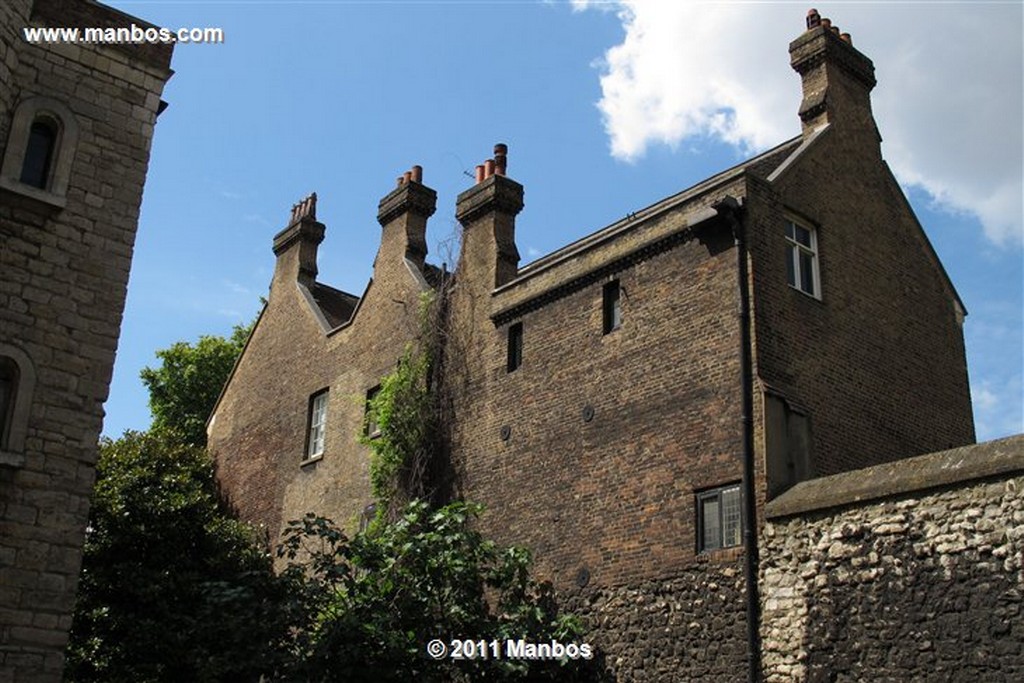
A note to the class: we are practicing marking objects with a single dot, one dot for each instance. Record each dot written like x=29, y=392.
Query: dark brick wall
x=592, y=451
x=63, y=277
x=614, y=495
x=879, y=361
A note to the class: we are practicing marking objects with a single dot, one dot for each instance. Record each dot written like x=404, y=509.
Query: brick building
x=598, y=407
x=76, y=122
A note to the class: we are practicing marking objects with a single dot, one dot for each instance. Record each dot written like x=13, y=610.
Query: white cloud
x=997, y=407
x=948, y=102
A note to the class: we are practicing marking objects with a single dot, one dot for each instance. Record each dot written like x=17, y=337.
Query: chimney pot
x=827, y=23
x=479, y=174
x=417, y=173
x=846, y=38
x=488, y=168
x=406, y=177
x=500, y=158
x=813, y=19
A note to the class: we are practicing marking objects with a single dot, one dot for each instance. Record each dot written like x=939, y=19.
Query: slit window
x=612, y=307
x=515, y=347
x=719, y=518
x=42, y=142
x=317, y=424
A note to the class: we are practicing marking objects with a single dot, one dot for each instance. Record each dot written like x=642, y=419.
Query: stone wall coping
x=932, y=470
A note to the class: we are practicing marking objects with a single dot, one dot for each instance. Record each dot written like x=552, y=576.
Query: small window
x=40, y=151
x=8, y=386
x=515, y=346
x=367, y=515
x=612, y=307
x=372, y=427
x=802, y=259
x=317, y=424
x=719, y=518
x=17, y=382
x=42, y=141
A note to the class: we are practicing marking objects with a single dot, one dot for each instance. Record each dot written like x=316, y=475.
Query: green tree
x=185, y=388
x=172, y=588
x=375, y=601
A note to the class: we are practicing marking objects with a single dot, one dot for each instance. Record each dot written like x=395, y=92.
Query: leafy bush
x=378, y=598
x=172, y=588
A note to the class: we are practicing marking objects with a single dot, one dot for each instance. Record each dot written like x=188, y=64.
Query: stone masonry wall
x=921, y=585
x=688, y=628
x=63, y=278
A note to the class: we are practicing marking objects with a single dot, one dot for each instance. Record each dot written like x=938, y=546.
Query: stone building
x=608, y=395
x=76, y=122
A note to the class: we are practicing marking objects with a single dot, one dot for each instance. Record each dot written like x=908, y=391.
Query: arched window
x=42, y=142
x=40, y=151
x=8, y=388
x=17, y=382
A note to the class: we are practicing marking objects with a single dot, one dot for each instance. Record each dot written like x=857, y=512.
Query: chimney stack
x=837, y=79
x=487, y=212
x=296, y=245
x=403, y=215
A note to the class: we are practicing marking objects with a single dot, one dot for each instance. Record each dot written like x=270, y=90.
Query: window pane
x=317, y=425
x=35, y=169
x=791, y=265
x=803, y=236
x=807, y=272
x=789, y=231
x=711, y=530
x=731, y=516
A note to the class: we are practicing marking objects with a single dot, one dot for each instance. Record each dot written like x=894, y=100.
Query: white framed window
x=317, y=424
x=719, y=518
x=802, y=259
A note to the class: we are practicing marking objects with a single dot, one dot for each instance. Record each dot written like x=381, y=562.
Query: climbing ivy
x=405, y=412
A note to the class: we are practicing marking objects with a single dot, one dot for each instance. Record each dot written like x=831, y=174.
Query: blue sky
x=606, y=108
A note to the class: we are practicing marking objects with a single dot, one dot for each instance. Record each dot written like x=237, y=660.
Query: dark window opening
x=42, y=141
x=515, y=347
x=369, y=512
x=370, y=418
x=612, y=307
x=8, y=386
x=719, y=518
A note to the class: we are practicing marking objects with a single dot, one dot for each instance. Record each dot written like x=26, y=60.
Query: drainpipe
x=729, y=209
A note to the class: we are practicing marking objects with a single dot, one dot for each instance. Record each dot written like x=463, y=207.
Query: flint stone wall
x=905, y=572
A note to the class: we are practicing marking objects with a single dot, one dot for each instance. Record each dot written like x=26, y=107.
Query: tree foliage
x=376, y=599
x=172, y=588
x=185, y=388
